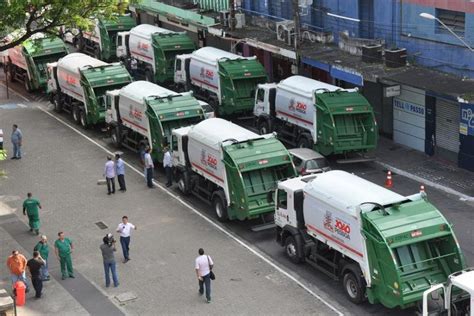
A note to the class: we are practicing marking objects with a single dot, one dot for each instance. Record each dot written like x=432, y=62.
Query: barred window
x=453, y=19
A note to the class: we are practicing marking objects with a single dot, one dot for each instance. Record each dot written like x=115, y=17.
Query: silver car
x=307, y=161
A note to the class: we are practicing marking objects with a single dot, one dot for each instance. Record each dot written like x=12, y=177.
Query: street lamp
x=432, y=17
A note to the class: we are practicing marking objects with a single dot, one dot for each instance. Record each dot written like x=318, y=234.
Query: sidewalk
x=443, y=175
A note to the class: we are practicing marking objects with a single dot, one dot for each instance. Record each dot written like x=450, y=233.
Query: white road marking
x=15, y=92
x=462, y=196
x=215, y=225
x=21, y=105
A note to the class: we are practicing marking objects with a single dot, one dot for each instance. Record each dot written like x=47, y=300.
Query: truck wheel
x=293, y=250
x=83, y=119
x=117, y=137
x=183, y=183
x=353, y=287
x=76, y=114
x=58, y=107
x=304, y=142
x=220, y=207
x=148, y=75
x=263, y=127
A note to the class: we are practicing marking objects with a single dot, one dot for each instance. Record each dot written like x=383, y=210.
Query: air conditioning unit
x=239, y=20
x=224, y=18
x=285, y=31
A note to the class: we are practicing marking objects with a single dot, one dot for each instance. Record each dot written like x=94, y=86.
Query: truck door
x=282, y=217
x=178, y=72
x=433, y=296
x=120, y=43
x=260, y=102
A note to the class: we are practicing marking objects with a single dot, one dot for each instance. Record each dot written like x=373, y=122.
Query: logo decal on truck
x=143, y=46
x=206, y=73
x=328, y=221
x=341, y=227
x=208, y=160
x=135, y=113
x=297, y=106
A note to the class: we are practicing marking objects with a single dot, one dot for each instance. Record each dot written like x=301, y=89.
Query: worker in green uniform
x=30, y=208
x=63, y=249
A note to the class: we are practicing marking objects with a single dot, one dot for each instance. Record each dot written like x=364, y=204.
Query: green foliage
x=35, y=16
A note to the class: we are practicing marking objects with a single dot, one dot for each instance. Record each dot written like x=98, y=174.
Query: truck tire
x=353, y=285
x=304, y=141
x=263, y=127
x=83, y=119
x=117, y=137
x=76, y=114
x=220, y=206
x=58, y=107
x=183, y=183
x=148, y=75
x=292, y=249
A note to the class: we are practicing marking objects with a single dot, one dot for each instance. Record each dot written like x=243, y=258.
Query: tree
x=47, y=16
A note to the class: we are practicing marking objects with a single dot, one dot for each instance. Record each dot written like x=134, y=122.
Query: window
x=281, y=199
x=297, y=161
x=453, y=19
x=260, y=95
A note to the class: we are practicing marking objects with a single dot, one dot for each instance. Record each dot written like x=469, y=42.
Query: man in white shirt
x=149, y=168
x=168, y=166
x=125, y=229
x=109, y=174
x=203, y=266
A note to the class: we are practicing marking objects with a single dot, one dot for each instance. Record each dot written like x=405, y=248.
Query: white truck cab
x=264, y=100
x=122, y=45
x=178, y=155
x=180, y=64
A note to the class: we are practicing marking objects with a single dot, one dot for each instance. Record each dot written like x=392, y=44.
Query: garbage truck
x=102, y=41
x=225, y=80
x=155, y=49
x=312, y=114
x=231, y=167
x=78, y=84
x=383, y=246
x=145, y=113
x=28, y=61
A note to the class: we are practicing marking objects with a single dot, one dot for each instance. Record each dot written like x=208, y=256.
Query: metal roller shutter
x=447, y=125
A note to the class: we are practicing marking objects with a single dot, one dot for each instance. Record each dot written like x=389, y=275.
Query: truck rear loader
x=231, y=167
x=225, y=80
x=102, y=41
x=155, y=49
x=385, y=247
x=78, y=84
x=313, y=114
x=28, y=62
x=143, y=112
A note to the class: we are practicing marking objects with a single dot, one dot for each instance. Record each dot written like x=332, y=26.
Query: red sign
x=416, y=233
x=349, y=109
x=263, y=162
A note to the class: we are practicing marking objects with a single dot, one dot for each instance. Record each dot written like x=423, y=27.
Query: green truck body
x=28, y=61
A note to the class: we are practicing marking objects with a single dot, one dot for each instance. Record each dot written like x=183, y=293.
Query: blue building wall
x=397, y=22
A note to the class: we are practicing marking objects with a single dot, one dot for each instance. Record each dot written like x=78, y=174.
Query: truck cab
x=181, y=70
x=123, y=49
x=51, y=73
x=264, y=104
x=177, y=146
x=112, y=105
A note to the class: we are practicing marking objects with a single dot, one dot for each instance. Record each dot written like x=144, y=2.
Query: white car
x=207, y=109
x=307, y=161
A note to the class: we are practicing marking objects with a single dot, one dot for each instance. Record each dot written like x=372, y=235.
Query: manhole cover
x=101, y=225
x=125, y=297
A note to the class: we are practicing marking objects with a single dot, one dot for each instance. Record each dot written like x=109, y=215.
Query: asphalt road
x=458, y=212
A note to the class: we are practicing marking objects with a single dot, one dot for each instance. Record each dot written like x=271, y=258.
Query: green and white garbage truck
x=143, y=112
x=312, y=114
x=225, y=80
x=230, y=166
x=102, y=41
x=78, y=84
x=28, y=61
x=384, y=246
x=154, y=48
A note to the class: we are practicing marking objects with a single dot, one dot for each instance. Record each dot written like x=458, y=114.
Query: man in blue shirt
x=167, y=164
x=109, y=174
x=120, y=170
x=17, y=139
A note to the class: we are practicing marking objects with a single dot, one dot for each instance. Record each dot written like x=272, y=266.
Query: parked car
x=307, y=161
x=207, y=109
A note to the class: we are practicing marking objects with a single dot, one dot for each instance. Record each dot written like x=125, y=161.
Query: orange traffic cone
x=422, y=189
x=388, y=181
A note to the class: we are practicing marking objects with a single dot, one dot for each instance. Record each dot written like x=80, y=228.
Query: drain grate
x=101, y=225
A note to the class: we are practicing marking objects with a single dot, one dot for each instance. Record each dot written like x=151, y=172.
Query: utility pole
x=296, y=19
x=232, y=15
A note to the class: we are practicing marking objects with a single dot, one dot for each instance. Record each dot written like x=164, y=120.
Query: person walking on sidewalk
x=34, y=266
x=142, y=152
x=149, y=166
x=30, y=208
x=167, y=164
x=63, y=249
x=17, y=141
x=109, y=174
x=108, y=249
x=125, y=229
x=203, y=266
x=16, y=263
x=43, y=248
x=120, y=170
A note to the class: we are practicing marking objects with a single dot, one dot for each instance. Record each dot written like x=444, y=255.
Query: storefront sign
x=391, y=91
x=409, y=107
x=466, y=124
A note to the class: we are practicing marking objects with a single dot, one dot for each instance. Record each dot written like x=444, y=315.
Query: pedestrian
x=203, y=268
x=125, y=229
x=120, y=170
x=43, y=248
x=30, y=208
x=168, y=166
x=109, y=174
x=133, y=67
x=34, y=266
x=108, y=249
x=16, y=263
x=63, y=249
x=149, y=168
x=17, y=141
